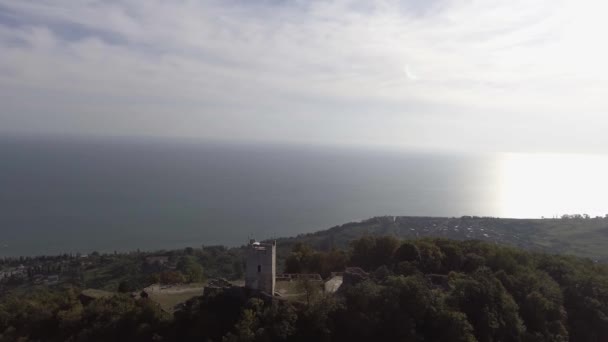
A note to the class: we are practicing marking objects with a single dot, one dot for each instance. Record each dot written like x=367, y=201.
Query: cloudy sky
x=516, y=75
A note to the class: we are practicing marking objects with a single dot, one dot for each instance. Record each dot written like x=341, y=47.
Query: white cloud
x=327, y=71
x=409, y=74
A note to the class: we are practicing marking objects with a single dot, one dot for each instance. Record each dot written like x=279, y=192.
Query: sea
x=78, y=195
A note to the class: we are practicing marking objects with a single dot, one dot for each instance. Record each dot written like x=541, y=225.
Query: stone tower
x=261, y=266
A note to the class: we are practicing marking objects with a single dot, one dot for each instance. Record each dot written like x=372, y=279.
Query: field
x=168, y=297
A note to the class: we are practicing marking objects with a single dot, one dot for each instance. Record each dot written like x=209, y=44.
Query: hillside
x=577, y=236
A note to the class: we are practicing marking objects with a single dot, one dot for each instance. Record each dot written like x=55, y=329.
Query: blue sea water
x=79, y=195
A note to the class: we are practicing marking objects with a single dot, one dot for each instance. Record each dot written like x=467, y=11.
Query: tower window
x=259, y=268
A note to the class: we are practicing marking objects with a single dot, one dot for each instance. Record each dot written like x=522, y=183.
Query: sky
x=483, y=75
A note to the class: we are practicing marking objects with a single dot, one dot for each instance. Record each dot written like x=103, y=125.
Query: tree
x=362, y=251
x=303, y=259
x=472, y=262
x=171, y=277
x=407, y=252
x=309, y=288
x=244, y=330
x=384, y=250
x=448, y=325
x=430, y=257
x=488, y=306
x=300, y=259
x=190, y=268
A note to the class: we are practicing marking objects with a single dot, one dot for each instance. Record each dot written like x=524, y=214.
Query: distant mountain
x=585, y=237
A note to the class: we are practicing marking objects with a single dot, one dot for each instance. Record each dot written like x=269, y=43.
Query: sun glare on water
x=534, y=185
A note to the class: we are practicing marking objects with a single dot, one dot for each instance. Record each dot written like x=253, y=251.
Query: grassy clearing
x=294, y=291
x=168, y=298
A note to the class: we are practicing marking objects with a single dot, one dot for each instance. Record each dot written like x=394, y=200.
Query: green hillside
x=577, y=236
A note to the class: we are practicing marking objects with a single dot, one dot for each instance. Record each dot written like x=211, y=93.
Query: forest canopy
x=415, y=290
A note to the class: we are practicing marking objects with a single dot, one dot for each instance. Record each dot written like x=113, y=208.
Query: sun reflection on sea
x=534, y=185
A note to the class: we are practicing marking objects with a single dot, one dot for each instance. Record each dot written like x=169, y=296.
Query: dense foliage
x=439, y=289
x=416, y=290
x=59, y=316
